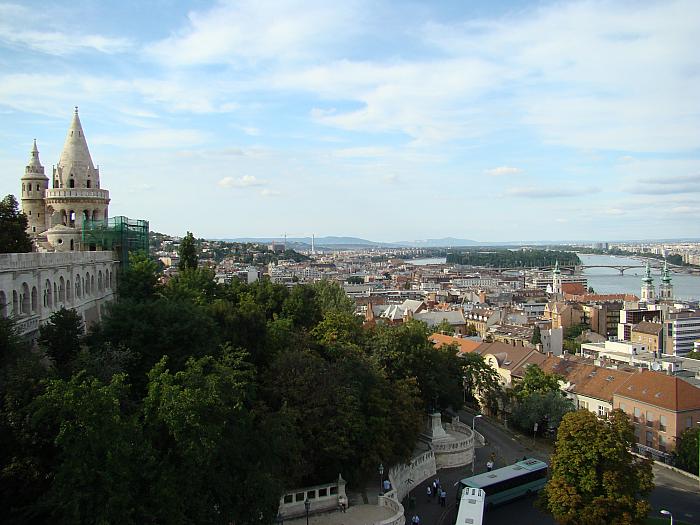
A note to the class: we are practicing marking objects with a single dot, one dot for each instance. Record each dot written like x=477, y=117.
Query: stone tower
x=648, y=295
x=34, y=186
x=556, y=279
x=666, y=288
x=76, y=195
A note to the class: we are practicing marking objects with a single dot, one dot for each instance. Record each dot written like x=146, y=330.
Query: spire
x=666, y=276
x=34, y=164
x=75, y=149
x=556, y=267
x=647, y=276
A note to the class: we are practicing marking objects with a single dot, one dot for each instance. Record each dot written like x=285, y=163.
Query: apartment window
x=583, y=405
x=663, y=443
x=689, y=422
x=662, y=423
x=650, y=419
x=637, y=415
x=623, y=407
x=650, y=439
x=603, y=411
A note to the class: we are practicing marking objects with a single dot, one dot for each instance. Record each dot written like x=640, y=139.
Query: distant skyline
x=390, y=121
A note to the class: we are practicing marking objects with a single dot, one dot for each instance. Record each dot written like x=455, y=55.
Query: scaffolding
x=119, y=234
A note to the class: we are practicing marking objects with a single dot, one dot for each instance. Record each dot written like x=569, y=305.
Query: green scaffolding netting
x=119, y=234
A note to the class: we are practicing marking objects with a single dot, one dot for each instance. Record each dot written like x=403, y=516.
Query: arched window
x=71, y=218
x=55, y=293
x=26, y=298
x=89, y=183
x=92, y=284
x=71, y=183
x=87, y=284
x=72, y=245
x=61, y=290
x=95, y=215
x=86, y=215
x=37, y=187
x=35, y=299
x=3, y=304
x=69, y=291
x=22, y=188
x=15, y=303
x=48, y=302
x=77, y=286
x=100, y=286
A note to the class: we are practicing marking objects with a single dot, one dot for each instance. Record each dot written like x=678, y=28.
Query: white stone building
x=61, y=273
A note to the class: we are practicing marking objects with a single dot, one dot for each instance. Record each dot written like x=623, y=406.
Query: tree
x=471, y=330
x=536, y=381
x=330, y=296
x=544, y=408
x=138, y=280
x=686, y=453
x=301, y=306
x=693, y=355
x=445, y=328
x=13, y=227
x=536, y=336
x=61, y=338
x=188, y=253
x=481, y=383
x=594, y=477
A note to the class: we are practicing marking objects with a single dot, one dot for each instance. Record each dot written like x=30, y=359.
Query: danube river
x=609, y=280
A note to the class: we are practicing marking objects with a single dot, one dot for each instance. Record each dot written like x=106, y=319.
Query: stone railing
x=26, y=325
x=456, y=453
x=77, y=193
x=405, y=478
x=34, y=260
x=390, y=501
x=323, y=498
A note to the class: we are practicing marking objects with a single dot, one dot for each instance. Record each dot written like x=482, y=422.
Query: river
x=609, y=280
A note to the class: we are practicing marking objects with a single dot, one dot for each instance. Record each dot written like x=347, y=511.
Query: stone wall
x=459, y=452
x=35, y=285
x=405, y=478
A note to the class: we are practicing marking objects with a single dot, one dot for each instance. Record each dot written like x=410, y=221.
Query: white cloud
x=155, y=138
x=269, y=193
x=502, y=170
x=246, y=181
x=32, y=28
x=546, y=192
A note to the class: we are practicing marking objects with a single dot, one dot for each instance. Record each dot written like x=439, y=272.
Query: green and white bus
x=505, y=484
x=471, y=507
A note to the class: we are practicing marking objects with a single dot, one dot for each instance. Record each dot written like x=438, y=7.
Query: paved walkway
x=355, y=515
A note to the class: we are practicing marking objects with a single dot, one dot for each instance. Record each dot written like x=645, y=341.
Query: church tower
x=648, y=295
x=34, y=186
x=666, y=288
x=556, y=279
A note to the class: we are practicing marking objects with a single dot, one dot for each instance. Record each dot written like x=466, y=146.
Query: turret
x=34, y=186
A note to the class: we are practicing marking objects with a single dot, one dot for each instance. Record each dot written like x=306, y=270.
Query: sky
x=491, y=120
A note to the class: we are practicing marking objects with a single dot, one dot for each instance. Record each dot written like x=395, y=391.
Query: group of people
x=434, y=489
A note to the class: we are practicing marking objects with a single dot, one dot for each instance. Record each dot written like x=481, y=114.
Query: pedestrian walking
x=443, y=497
x=430, y=493
x=489, y=465
x=435, y=486
x=387, y=486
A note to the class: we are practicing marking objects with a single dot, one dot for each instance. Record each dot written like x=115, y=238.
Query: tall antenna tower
x=285, y=242
x=313, y=239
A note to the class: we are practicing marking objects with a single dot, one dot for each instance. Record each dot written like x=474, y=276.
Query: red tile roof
x=661, y=390
x=464, y=345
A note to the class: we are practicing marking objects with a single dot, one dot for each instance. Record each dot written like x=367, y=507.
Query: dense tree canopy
x=197, y=402
x=688, y=450
x=502, y=258
x=188, y=253
x=13, y=227
x=594, y=477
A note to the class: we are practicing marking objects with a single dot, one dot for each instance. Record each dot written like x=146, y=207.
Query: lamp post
x=307, y=506
x=667, y=513
x=381, y=479
x=475, y=418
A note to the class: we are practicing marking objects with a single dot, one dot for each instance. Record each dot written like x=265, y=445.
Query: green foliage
x=445, y=328
x=301, y=307
x=188, y=253
x=575, y=331
x=99, y=452
x=688, y=449
x=191, y=284
x=13, y=227
x=594, y=477
x=331, y=297
x=138, y=280
x=536, y=381
x=61, y=337
x=355, y=279
x=544, y=408
x=693, y=355
x=471, y=330
x=676, y=259
x=480, y=381
x=500, y=258
x=536, y=336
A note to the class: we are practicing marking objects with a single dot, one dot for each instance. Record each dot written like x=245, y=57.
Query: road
x=674, y=492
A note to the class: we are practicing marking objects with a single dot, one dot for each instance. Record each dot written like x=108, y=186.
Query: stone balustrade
x=405, y=478
x=323, y=498
x=76, y=193
x=30, y=261
x=390, y=501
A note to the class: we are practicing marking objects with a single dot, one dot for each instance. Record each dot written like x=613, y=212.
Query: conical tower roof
x=556, y=267
x=75, y=149
x=34, y=168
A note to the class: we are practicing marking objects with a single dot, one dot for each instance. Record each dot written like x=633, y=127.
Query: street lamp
x=475, y=418
x=307, y=506
x=667, y=513
x=381, y=479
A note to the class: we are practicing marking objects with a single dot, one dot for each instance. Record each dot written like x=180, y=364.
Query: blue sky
x=492, y=121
